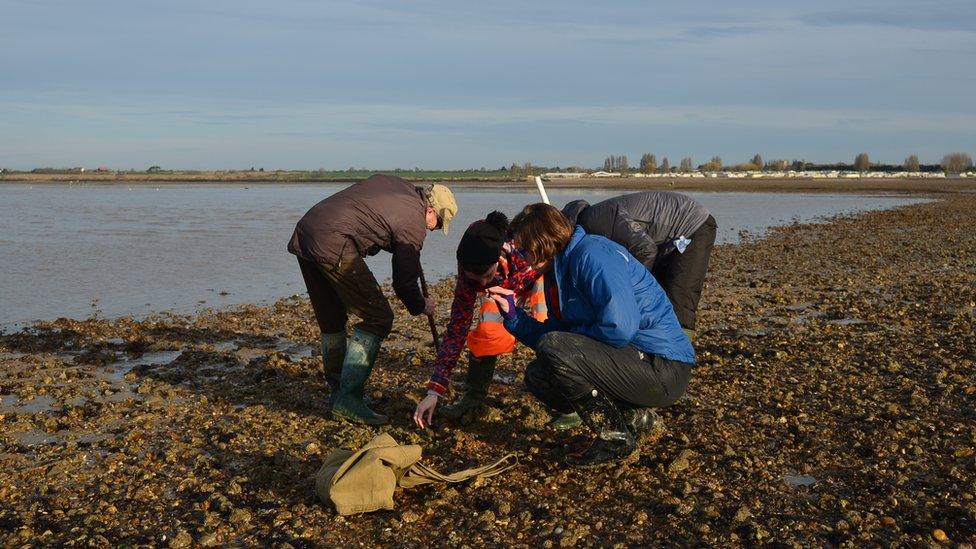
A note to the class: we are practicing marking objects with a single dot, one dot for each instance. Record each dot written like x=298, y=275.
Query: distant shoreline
x=711, y=184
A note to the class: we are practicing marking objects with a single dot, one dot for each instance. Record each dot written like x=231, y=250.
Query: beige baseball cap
x=441, y=199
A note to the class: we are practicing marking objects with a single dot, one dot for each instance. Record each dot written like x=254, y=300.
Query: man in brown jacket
x=331, y=240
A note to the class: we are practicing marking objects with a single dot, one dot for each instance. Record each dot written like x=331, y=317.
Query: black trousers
x=337, y=291
x=682, y=275
x=568, y=365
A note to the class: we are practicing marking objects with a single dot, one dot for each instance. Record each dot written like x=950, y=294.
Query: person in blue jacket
x=612, y=348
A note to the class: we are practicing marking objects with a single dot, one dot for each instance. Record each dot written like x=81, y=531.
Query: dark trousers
x=337, y=291
x=569, y=365
x=682, y=275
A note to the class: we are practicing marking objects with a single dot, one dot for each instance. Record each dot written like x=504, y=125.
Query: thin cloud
x=337, y=118
x=929, y=18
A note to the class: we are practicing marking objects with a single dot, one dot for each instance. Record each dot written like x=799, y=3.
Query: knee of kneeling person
x=558, y=352
x=551, y=344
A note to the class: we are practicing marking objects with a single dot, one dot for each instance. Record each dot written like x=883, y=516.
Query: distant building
x=605, y=174
x=562, y=175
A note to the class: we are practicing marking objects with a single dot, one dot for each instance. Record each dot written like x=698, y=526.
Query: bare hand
x=424, y=413
x=500, y=291
x=498, y=295
x=429, y=306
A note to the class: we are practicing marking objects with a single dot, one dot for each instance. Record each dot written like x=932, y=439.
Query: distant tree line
x=953, y=163
x=616, y=164
x=957, y=162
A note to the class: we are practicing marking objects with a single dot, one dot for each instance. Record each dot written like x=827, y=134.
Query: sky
x=310, y=84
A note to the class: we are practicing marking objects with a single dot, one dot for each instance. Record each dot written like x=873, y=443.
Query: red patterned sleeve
x=462, y=311
x=521, y=276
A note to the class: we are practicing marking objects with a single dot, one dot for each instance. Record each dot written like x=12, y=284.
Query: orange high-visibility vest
x=489, y=337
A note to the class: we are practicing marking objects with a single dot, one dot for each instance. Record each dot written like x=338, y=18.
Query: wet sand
x=833, y=404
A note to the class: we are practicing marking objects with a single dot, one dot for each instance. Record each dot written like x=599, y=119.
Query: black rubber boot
x=480, y=373
x=641, y=420
x=614, y=440
x=333, y=354
x=349, y=402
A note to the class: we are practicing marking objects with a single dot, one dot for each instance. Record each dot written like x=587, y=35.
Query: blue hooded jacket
x=606, y=294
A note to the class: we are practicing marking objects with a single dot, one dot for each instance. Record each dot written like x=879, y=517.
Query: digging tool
x=542, y=190
x=430, y=318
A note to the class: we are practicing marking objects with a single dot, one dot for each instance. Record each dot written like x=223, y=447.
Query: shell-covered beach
x=833, y=404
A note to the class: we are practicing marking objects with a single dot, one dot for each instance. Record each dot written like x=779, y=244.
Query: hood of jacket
x=573, y=210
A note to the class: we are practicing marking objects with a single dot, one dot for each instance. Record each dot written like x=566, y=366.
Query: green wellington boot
x=333, y=354
x=564, y=422
x=480, y=373
x=614, y=441
x=360, y=356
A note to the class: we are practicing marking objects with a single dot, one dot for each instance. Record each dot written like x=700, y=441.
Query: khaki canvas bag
x=364, y=480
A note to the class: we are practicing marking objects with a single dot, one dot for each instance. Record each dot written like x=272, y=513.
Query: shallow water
x=799, y=480
x=74, y=250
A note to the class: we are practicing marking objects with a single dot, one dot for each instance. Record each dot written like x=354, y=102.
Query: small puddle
x=225, y=346
x=799, y=480
x=116, y=371
x=504, y=379
x=247, y=354
x=847, y=321
x=37, y=405
x=295, y=350
x=808, y=316
x=35, y=438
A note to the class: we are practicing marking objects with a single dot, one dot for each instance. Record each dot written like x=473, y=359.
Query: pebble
x=939, y=535
x=742, y=514
x=681, y=463
x=240, y=516
x=180, y=540
x=409, y=516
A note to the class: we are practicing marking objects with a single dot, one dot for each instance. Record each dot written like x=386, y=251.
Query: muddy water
x=115, y=250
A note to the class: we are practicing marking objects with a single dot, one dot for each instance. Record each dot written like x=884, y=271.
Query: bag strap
x=420, y=474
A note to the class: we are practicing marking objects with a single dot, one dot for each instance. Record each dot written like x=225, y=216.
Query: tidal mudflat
x=833, y=403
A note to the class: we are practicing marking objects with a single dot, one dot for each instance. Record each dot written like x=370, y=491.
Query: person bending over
x=670, y=233
x=380, y=213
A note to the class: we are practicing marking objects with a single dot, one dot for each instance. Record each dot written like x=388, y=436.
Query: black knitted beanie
x=482, y=243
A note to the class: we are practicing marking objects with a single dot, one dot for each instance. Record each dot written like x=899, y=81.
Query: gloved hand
x=509, y=313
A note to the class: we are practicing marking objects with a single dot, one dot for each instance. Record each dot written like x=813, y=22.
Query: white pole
x=542, y=190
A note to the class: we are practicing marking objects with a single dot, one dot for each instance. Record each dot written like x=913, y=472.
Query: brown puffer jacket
x=380, y=213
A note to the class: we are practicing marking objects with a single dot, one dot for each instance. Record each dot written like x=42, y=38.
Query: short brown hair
x=542, y=230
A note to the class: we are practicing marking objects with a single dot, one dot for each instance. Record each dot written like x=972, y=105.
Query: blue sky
x=312, y=84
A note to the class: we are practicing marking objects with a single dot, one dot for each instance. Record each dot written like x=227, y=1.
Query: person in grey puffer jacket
x=670, y=233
